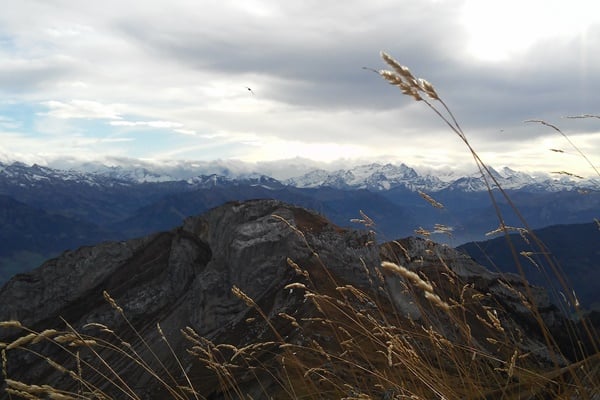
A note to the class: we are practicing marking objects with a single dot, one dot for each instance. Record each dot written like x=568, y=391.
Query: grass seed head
x=242, y=296
x=430, y=200
x=436, y=300
x=409, y=275
x=112, y=302
x=10, y=324
x=23, y=340
x=45, y=334
x=400, y=69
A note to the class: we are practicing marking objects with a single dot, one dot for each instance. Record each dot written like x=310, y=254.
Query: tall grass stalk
x=421, y=90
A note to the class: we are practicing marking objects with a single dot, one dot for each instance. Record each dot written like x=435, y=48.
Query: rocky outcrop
x=183, y=278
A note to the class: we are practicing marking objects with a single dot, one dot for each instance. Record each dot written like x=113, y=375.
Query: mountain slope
x=576, y=247
x=338, y=205
x=29, y=236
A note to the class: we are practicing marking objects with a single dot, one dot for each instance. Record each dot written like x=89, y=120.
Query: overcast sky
x=167, y=80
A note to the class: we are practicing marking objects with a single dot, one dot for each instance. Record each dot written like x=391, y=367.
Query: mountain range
x=46, y=211
x=372, y=176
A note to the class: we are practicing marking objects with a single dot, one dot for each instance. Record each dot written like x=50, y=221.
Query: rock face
x=183, y=278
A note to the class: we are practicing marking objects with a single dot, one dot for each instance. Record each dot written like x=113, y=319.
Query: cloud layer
x=165, y=80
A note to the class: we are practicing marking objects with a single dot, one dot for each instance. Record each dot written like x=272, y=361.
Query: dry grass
x=345, y=342
x=453, y=341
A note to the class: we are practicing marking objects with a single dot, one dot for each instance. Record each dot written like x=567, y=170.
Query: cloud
x=80, y=109
x=9, y=123
x=184, y=69
x=186, y=132
x=24, y=75
x=491, y=39
x=150, y=124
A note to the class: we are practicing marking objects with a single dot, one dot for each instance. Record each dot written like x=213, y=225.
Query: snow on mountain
x=384, y=177
x=510, y=179
x=155, y=171
x=20, y=174
x=35, y=175
x=316, y=178
x=370, y=176
x=374, y=176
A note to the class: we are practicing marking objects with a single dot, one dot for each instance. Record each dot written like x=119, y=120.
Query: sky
x=168, y=80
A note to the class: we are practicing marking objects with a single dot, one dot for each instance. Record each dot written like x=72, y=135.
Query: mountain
x=374, y=176
x=29, y=236
x=384, y=177
x=147, y=171
x=309, y=299
x=338, y=205
x=117, y=208
x=574, y=248
x=101, y=197
x=120, y=204
x=125, y=202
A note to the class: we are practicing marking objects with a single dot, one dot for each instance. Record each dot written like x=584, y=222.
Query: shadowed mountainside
x=575, y=247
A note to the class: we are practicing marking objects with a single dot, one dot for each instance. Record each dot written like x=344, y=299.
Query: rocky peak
x=182, y=277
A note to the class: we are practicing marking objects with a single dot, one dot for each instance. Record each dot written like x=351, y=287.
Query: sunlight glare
x=498, y=30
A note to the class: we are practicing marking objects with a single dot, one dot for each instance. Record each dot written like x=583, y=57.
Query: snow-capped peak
x=369, y=176
x=374, y=176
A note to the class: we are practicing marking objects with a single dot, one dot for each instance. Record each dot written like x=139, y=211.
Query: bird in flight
x=250, y=90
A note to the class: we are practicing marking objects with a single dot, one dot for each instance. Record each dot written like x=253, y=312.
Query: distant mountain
x=147, y=171
x=23, y=226
x=380, y=177
x=29, y=235
x=341, y=206
x=101, y=198
x=373, y=176
x=575, y=247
